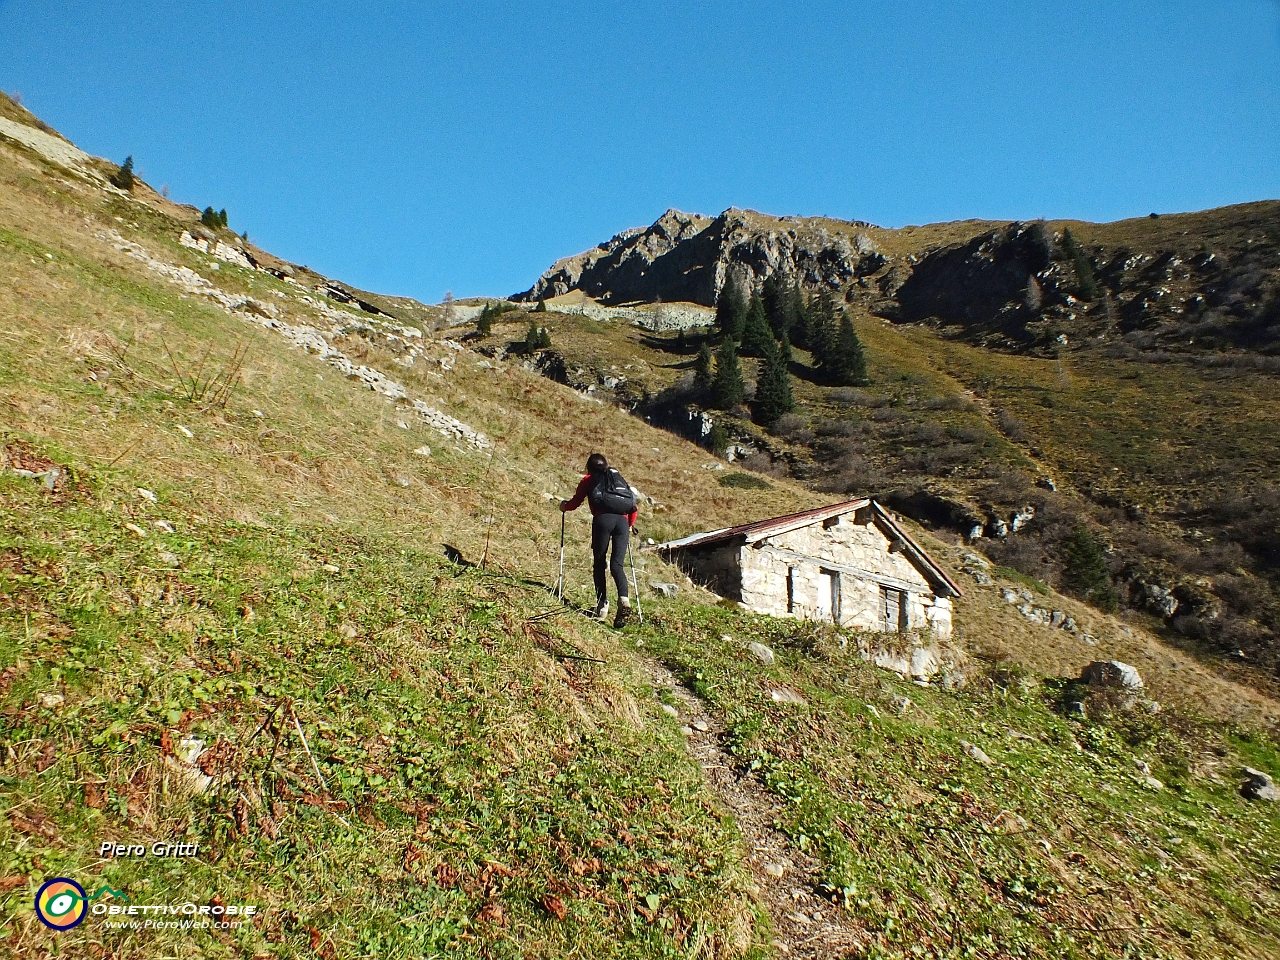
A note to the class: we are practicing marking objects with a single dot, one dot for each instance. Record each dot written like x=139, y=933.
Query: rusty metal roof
x=761, y=529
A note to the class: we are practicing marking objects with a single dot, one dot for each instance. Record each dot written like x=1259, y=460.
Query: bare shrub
x=952, y=402
x=967, y=433
x=930, y=432
x=1012, y=427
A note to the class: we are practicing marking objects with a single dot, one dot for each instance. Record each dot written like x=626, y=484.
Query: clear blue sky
x=415, y=148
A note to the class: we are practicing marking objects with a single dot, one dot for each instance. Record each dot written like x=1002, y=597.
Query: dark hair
x=596, y=463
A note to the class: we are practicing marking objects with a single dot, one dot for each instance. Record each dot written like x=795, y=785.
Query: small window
x=830, y=522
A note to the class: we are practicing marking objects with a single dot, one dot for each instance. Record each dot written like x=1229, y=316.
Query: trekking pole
x=560, y=579
x=635, y=581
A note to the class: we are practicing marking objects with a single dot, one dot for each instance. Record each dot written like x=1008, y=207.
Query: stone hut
x=848, y=563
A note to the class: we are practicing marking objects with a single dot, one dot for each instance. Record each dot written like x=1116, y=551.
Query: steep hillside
x=228, y=620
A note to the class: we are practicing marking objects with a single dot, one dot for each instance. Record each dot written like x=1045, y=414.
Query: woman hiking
x=613, y=514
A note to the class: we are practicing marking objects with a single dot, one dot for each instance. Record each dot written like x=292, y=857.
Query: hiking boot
x=602, y=610
x=623, y=617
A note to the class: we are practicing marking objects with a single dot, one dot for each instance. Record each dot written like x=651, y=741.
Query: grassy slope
x=302, y=574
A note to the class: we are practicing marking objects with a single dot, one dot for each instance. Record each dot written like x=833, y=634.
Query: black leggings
x=605, y=529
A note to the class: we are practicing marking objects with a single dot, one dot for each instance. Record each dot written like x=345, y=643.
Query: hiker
x=613, y=513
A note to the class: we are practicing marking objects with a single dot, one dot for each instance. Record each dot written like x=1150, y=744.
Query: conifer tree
x=822, y=329
x=124, y=176
x=784, y=349
x=544, y=339
x=799, y=333
x=1086, y=282
x=703, y=373
x=773, y=389
x=541, y=307
x=531, y=338
x=757, y=338
x=727, y=386
x=848, y=364
x=779, y=305
x=731, y=308
x=484, y=323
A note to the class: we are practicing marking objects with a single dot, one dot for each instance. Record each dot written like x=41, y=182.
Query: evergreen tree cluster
x=764, y=324
x=536, y=338
x=213, y=219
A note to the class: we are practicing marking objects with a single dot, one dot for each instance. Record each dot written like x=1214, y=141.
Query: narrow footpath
x=803, y=923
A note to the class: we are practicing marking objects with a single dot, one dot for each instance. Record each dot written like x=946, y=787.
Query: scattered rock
x=164, y=525
x=924, y=663
x=871, y=709
x=51, y=701
x=347, y=630
x=423, y=451
x=775, y=870
x=901, y=704
x=146, y=494
x=1009, y=822
x=185, y=763
x=786, y=695
x=701, y=726
x=975, y=752
x=669, y=710
x=1152, y=783
x=1057, y=618
x=1076, y=709
x=761, y=653
x=666, y=589
x=1112, y=674
x=1258, y=786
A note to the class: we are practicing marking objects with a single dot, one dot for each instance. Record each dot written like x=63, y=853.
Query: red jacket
x=584, y=488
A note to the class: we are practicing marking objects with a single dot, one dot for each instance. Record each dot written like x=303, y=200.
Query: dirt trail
x=803, y=923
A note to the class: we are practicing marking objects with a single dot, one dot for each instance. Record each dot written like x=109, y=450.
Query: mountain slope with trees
x=276, y=581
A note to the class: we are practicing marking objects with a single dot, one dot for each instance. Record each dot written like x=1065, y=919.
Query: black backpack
x=612, y=494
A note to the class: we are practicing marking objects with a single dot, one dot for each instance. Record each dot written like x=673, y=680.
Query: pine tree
x=773, y=389
x=1086, y=569
x=757, y=338
x=1086, y=282
x=544, y=339
x=727, y=386
x=799, y=332
x=484, y=323
x=531, y=338
x=784, y=349
x=731, y=308
x=541, y=307
x=822, y=329
x=779, y=305
x=703, y=373
x=124, y=176
x=848, y=364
